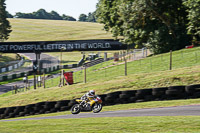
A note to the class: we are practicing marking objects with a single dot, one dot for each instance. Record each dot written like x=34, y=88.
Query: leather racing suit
x=91, y=99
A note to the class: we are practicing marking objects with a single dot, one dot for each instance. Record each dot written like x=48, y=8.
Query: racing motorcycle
x=84, y=106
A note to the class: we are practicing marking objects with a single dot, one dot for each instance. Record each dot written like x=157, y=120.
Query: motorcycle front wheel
x=97, y=108
x=75, y=109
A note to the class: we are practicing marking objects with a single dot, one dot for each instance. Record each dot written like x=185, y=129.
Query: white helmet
x=92, y=92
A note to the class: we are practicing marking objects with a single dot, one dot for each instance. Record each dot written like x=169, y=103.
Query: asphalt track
x=190, y=110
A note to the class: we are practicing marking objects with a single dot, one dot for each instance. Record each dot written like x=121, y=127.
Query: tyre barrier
x=118, y=97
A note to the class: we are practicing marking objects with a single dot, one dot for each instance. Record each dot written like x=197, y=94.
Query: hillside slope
x=52, y=30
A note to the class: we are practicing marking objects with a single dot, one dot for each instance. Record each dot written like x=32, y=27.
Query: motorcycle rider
x=90, y=97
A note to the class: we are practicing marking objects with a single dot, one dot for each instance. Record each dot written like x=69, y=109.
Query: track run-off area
x=190, y=110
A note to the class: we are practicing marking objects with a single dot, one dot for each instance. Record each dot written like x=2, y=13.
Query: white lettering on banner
x=90, y=46
x=29, y=47
x=95, y=45
x=108, y=45
x=3, y=47
x=70, y=46
x=38, y=47
x=59, y=46
x=99, y=45
x=12, y=47
x=83, y=45
x=49, y=47
x=77, y=45
x=20, y=47
x=24, y=47
x=44, y=47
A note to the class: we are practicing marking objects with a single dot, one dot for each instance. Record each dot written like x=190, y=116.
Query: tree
x=19, y=15
x=55, y=15
x=9, y=15
x=108, y=13
x=194, y=18
x=68, y=18
x=159, y=25
x=24, y=15
x=91, y=17
x=5, y=28
x=41, y=14
x=82, y=18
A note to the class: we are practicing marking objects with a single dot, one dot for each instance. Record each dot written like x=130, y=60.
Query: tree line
x=53, y=15
x=161, y=25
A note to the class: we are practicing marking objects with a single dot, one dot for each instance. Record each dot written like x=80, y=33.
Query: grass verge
x=183, y=124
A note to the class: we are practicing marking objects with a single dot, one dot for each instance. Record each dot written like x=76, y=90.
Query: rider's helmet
x=92, y=92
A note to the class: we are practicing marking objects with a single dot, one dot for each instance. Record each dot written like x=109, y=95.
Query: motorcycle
x=84, y=106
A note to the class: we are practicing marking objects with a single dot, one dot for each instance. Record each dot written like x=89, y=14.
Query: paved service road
x=192, y=110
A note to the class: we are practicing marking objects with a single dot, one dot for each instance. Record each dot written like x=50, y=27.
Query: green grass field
x=52, y=30
x=182, y=124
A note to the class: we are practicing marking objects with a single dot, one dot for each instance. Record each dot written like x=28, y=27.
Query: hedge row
x=118, y=97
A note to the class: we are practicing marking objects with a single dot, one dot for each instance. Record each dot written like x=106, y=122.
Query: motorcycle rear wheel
x=75, y=109
x=97, y=108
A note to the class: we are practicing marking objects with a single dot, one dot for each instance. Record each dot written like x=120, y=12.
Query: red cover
x=69, y=77
x=191, y=46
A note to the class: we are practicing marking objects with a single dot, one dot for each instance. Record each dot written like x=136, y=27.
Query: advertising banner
x=64, y=46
